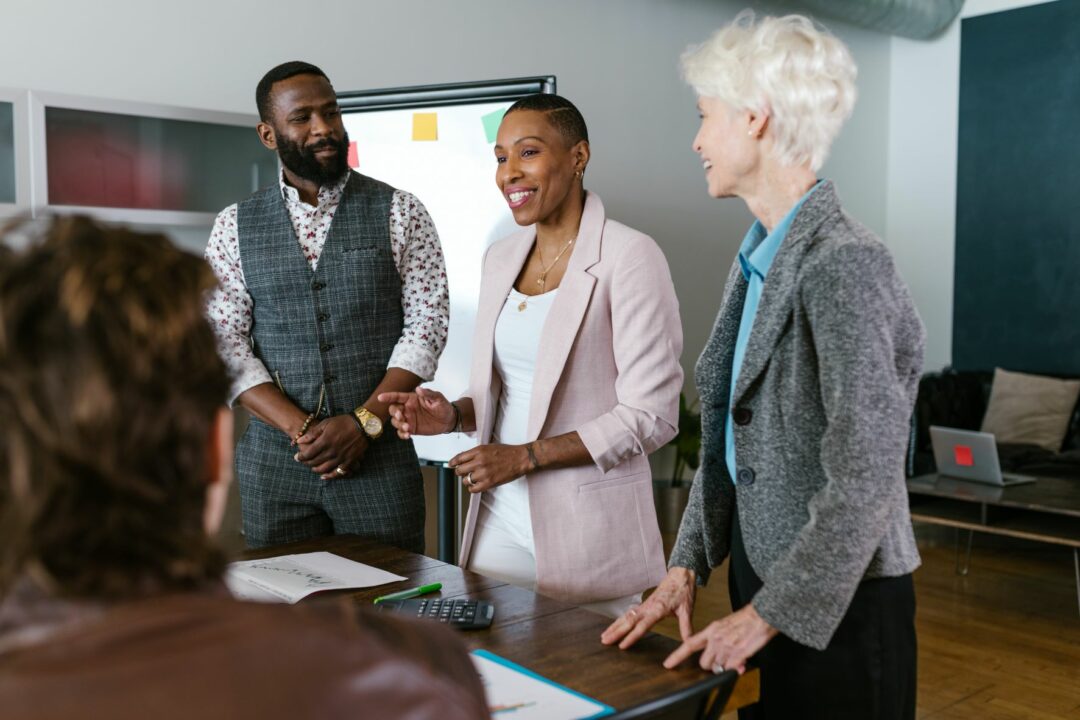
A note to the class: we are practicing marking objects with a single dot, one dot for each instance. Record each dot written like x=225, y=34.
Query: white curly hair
x=801, y=75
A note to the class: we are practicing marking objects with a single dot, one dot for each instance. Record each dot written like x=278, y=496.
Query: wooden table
x=556, y=640
x=1047, y=510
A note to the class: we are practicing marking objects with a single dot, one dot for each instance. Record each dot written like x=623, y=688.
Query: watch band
x=359, y=425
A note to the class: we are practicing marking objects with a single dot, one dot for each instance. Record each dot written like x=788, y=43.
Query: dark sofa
x=958, y=399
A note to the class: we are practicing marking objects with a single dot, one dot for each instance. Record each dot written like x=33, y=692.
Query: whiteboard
x=445, y=158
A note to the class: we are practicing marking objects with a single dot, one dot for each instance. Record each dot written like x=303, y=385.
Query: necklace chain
x=542, y=280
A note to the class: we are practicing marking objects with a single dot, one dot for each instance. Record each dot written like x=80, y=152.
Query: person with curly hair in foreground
x=115, y=459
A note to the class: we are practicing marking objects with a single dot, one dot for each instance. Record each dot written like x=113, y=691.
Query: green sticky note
x=491, y=123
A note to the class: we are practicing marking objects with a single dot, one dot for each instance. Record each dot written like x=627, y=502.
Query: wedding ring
x=717, y=669
x=631, y=613
x=340, y=471
x=469, y=480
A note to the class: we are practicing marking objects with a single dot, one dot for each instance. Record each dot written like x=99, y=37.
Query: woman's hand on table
x=726, y=644
x=424, y=412
x=673, y=596
x=488, y=466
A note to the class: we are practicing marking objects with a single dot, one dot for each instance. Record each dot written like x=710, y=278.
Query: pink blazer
x=608, y=367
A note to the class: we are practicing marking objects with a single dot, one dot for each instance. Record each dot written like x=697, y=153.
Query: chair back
x=703, y=701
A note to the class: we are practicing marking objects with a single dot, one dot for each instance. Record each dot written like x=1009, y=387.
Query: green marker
x=406, y=594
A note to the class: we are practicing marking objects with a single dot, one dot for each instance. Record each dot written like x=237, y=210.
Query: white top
x=517, y=340
x=425, y=300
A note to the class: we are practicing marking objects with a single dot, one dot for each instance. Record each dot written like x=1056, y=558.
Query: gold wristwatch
x=369, y=422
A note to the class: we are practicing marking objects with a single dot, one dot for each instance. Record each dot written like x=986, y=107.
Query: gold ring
x=341, y=471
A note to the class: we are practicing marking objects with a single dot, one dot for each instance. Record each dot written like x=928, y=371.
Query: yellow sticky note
x=425, y=126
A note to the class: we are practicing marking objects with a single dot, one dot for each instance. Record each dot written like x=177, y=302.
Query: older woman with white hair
x=807, y=385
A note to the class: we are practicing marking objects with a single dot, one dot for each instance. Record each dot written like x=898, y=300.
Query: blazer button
x=326, y=348
x=323, y=317
x=742, y=416
x=745, y=476
x=329, y=379
x=318, y=285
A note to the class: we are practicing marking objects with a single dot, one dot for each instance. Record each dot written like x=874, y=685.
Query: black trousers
x=867, y=672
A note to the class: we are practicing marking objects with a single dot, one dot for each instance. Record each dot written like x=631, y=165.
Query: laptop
x=970, y=455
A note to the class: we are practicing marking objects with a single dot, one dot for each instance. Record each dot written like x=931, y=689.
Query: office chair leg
x=962, y=569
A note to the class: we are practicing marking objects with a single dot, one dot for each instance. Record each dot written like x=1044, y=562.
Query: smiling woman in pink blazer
x=575, y=380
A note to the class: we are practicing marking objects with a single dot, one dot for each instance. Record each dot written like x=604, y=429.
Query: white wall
x=617, y=59
x=924, y=90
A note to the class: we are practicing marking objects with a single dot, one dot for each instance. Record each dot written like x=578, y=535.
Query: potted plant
x=671, y=494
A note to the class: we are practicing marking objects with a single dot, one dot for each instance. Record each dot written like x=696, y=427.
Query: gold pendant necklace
x=542, y=280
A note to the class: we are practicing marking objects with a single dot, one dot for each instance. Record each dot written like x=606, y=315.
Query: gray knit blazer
x=821, y=409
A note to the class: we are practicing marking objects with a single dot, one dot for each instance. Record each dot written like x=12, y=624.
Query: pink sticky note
x=354, y=156
x=962, y=454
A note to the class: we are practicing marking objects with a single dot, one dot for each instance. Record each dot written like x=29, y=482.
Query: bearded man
x=332, y=291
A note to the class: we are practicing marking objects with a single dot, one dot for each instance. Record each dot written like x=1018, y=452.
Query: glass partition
x=7, y=152
x=111, y=160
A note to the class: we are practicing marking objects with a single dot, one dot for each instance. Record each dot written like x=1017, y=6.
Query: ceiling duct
x=917, y=19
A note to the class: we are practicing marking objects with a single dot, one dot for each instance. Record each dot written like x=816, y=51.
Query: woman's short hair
x=109, y=385
x=800, y=74
x=560, y=112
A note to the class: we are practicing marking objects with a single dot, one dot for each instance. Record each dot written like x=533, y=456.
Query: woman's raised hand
x=424, y=412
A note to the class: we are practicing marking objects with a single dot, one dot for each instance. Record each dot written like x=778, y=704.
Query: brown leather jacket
x=204, y=655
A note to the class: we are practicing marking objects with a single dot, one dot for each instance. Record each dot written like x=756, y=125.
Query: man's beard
x=301, y=161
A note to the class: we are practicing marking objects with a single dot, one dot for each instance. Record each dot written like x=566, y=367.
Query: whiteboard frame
x=466, y=93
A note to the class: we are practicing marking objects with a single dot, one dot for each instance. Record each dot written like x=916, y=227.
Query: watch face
x=373, y=425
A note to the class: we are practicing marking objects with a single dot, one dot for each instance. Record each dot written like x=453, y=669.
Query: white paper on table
x=516, y=693
x=291, y=578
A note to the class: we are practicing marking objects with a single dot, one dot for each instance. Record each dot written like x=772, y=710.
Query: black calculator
x=460, y=613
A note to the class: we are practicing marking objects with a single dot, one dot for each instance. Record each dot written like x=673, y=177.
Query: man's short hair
x=560, y=112
x=109, y=385
x=284, y=71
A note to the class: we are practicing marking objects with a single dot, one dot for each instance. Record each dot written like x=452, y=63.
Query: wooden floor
x=1001, y=643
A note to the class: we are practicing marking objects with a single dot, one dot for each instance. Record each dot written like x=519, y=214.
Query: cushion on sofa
x=958, y=398
x=1030, y=409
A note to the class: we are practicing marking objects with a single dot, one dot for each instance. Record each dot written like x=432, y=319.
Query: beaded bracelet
x=310, y=418
x=304, y=427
